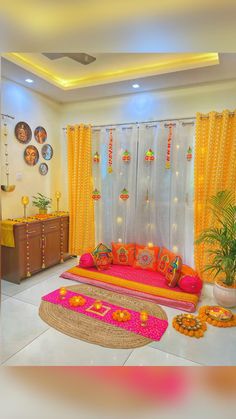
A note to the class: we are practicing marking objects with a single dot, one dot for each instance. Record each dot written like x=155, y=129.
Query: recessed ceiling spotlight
x=29, y=80
x=135, y=85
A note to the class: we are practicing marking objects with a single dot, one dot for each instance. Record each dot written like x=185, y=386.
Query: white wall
x=35, y=109
x=174, y=103
x=26, y=105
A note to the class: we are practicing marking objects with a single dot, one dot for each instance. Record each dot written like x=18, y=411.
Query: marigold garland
x=189, y=325
x=205, y=314
x=77, y=300
x=169, y=140
x=121, y=315
x=110, y=151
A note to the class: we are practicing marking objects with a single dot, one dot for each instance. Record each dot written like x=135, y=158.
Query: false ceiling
x=111, y=74
x=66, y=73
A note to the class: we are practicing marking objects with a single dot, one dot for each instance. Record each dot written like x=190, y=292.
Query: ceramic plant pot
x=225, y=296
x=43, y=211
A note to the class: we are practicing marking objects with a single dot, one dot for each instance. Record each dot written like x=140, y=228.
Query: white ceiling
x=117, y=25
x=224, y=71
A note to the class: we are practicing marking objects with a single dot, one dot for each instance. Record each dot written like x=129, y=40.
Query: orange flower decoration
x=121, y=315
x=217, y=316
x=189, y=325
x=77, y=300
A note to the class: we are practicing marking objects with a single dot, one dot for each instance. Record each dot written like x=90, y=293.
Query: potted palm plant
x=221, y=238
x=42, y=203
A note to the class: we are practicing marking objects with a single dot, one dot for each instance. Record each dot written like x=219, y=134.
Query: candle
x=25, y=201
x=63, y=292
x=143, y=318
x=58, y=196
x=97, y=305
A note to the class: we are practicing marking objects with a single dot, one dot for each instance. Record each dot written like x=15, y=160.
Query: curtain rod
x=137, y=123
x=154, y=121
x=5, y=115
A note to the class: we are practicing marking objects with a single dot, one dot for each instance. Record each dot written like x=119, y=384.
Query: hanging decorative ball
x=189, y=325
x=189, y=154
x=96, y=195
x=96, y=157
x=126, y=156
x=124, y=194
x=149, y=155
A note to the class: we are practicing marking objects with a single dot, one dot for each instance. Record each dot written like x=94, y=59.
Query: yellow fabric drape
x=215, y=170
x=7, y=233
x=81, y=206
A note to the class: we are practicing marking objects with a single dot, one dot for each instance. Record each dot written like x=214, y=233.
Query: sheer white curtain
x=160, y=205
x=164, y=212
x=114, y=217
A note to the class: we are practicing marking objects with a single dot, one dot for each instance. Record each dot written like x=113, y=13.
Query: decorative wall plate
x=31, y=155
x=40, y=135
x=43, y=169
x=23, y=132
x=47, y=152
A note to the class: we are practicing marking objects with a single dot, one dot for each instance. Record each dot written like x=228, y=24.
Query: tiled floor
x=27, y=340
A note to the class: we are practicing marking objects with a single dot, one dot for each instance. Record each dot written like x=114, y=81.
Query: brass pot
x=43, y=210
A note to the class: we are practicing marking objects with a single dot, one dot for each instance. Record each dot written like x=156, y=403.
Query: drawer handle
x=53, y=227
x=32, y=231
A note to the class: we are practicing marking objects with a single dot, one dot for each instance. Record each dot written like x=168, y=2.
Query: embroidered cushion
x=146, y=257
x=86, y=260
x=191, y=284
x=102, y=256
x=123, y=254
x=164, y=259
x=102, y=262
x=173, y=271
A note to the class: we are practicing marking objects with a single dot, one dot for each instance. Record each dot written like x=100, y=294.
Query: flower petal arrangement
x=121, y=315
x=77, y=301
x=189, y=325
x=217, y=316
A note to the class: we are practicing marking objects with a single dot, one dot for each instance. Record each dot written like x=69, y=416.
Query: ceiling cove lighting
x=29, y=80
x=135, y=85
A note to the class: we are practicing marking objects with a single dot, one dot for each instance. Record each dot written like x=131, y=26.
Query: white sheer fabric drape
x=115, y=218
x=159, y=210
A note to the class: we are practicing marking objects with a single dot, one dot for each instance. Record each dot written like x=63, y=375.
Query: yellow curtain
x=215, y=170
x=81, y=206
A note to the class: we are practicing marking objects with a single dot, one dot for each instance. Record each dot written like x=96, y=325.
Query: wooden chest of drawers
x=38, y=245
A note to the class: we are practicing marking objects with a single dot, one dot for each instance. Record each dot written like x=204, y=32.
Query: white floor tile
x=34, y=294
x=4, y=297
x=22, y=329
x=217, y=347
x=55, y=348
x=20, y=325
x=147, y=356
x=10, y=289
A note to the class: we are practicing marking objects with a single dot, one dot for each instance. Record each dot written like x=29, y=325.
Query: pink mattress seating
x=144, y=284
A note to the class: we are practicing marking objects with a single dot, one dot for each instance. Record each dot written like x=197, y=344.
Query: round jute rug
x=86, y=328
